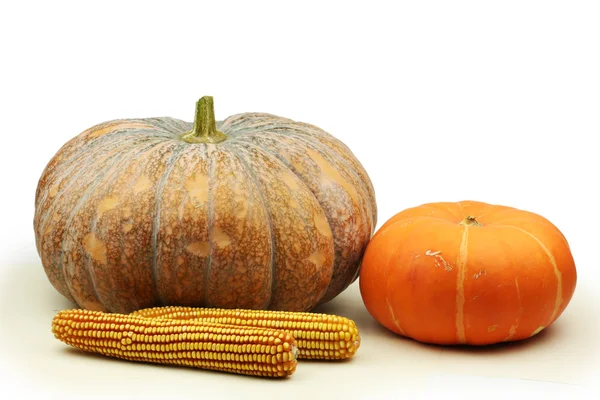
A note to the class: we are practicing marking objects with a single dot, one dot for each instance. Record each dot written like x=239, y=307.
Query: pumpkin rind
x=433, y=275
x=276, y=216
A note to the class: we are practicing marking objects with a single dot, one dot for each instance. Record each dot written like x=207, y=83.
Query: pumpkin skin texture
x=255, y=211
x=467, y=273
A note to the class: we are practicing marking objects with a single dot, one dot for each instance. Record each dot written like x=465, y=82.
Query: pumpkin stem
x=205, y=125
x=470, y=221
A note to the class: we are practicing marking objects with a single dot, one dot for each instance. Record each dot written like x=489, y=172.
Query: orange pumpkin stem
x=470, y=221
x=205, y=125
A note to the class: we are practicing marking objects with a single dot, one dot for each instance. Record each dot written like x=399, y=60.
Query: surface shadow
x=570, y=340
x=164, y=368
x=349, y=304
x=29, y=301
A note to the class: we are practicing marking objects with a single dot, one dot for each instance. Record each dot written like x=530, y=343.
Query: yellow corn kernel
x=165, y=341
x=311, y=330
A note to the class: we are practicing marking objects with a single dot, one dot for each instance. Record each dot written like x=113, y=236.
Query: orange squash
x=467, y=273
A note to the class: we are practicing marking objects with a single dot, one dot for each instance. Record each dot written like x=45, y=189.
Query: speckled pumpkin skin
x=277, y=216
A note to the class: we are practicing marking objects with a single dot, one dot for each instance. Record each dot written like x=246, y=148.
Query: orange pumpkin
x=467, y=273
x=255, y=211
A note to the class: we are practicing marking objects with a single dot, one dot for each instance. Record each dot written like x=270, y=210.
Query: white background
x=440, y=101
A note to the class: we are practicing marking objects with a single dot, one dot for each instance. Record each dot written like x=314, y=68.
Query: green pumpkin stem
x=205, y=125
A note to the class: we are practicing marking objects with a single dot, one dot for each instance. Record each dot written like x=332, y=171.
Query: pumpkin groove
x=351, y=166
x=307, y=180
x=557, y=273
x=271, y=235
x=74, y=160
x=276, y=214
x=79, y=166
x=94, y=287
x=112, y=186
x=290, y=129
x=71, y=171
x=341, y=277
x=277, y=190
x=461, y=265
x=71, y=178
x=187, y=189
x=388, y=313
x=77, y=149
x=56, y=249
x=513, y=328
x=175, y=156
x=69, y=153
x=341, y=151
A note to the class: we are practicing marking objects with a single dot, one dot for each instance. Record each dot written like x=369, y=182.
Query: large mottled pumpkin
x=467, y=273
x=255, y=211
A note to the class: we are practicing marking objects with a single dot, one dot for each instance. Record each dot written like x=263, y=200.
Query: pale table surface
x=562, y=361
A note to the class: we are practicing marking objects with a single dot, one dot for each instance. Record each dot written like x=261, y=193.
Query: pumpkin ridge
x=319, y=148
x=181, y=282
x=172, y=126
x=291, y=128
x=557, y=273
x=82, y=152
x=76, y=147
x=461, y=265
x=239, y=122
x=494, y=210
x=394, y=251
x=303, y=184
x=106, y=172
x=264, y=202
x=124, y=135
x=495, y=215
x=393, y=254
x=250, y=291
x=538, y=220
x=308, y=219
x=318, y=133
x=393, y=315
x=73, y=178
x=149, y=131
x=445, y=208
x=385, y=229
x=117, y=157
x=109, y=182
x=322, y=149
x=267, y=206
x=80, y=143
x=156, y=221
x=56, y=178
x=513, y=328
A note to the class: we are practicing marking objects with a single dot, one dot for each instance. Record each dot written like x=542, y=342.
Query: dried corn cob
x=319, y=336
x=248, y=351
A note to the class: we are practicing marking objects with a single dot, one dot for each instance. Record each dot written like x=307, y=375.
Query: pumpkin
x=255, y=211
x=467, y=273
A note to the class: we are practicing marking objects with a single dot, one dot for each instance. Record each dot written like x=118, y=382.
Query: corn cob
x=204, y=345
x=319, y=336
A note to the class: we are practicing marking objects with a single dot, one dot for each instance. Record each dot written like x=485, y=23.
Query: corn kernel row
x=318, y=336
x=205, y=345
